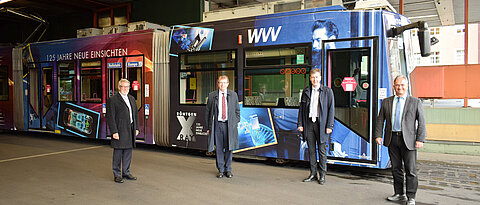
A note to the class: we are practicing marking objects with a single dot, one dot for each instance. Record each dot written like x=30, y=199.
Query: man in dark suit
x=122, y=119
x=405, y=131
x=315, y=119
x=222, y=117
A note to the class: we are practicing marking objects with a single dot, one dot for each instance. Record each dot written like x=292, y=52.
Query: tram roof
x=434, y=12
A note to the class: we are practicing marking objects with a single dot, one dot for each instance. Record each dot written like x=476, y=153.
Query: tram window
x=47, y=78
x=398, y=65
x=33, y=86
x=3, y=83
x=195, y=86
x=199, y=72
x=281, y=87
x=91, y=81
x=208, y=60
x=277, y=56
x=135, y=77
x=66, y=81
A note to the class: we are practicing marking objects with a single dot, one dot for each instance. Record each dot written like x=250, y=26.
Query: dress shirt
x=220, y=96
x=314, y=104
x=125, y=98
x=402, y=105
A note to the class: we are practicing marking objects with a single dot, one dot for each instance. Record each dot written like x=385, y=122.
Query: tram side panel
x=191, y=74
x=85, y=73
x=6, y=89
x=269, y=129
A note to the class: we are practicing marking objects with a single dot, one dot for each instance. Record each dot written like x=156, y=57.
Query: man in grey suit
x=405, y=131
x=122, y=119
x=222, y=117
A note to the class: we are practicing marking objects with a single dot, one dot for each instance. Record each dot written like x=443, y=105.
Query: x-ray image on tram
x=77, y=120
x=255, y=129
x=192, y=39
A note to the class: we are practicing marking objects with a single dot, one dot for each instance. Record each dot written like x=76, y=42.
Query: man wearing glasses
x=222, y=116
x=122, y=119
x=405, y=131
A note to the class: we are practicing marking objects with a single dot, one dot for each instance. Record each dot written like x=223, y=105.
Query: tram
x=62, y=86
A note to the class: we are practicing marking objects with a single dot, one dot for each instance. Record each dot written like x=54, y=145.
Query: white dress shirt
x=125, y=98
x=314, y=104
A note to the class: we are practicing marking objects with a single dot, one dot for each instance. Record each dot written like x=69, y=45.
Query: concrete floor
x=43, y=169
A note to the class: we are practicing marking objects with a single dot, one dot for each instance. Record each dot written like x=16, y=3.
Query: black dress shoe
x=310, y=178
x=321, y=181
x=220, y=175
x=229, y=174
x=397, y=197
x=118, y=179
x=130, y=177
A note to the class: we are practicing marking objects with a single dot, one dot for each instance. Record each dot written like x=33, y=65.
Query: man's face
x=222, y=84
x=315, y=79
x=124, y=88
x=318, y=35
x=401, y=86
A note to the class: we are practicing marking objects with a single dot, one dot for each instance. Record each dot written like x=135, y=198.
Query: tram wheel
x=209, y=154
x=280, y=161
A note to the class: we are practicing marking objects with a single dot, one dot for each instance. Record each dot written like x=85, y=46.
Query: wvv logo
x=256, y=34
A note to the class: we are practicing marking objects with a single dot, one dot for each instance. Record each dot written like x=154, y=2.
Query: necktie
x=396, y=125
x=224, y=107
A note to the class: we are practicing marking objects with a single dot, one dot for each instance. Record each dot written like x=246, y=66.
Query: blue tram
x=268, y=58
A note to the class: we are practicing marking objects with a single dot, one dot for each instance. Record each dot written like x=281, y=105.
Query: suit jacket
x=211, y=117
x=326, y=108
x=118, y=120
x=413, y=122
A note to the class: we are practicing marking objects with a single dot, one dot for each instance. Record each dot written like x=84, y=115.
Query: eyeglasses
x=124, y=86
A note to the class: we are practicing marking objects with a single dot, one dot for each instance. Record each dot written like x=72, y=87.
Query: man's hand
x=379, y=141
x=137, y=132
x=329, y=130
x=115, y=136
x=300, y=129
x=418, y=144
x=208, y=131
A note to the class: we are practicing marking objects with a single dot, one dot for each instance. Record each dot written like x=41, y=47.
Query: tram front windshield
x=400, y=50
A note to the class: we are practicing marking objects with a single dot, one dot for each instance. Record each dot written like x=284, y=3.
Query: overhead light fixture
x=4, y=1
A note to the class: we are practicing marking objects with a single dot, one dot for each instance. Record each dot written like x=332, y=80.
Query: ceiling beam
x=418, y=3
x=421, y=10
x=445, y=12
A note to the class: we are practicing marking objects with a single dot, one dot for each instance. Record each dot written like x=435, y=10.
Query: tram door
x=40, y=96
x=131, y=68
x=349, y=70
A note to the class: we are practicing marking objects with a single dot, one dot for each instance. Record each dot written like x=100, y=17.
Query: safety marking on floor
x=48, y=154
